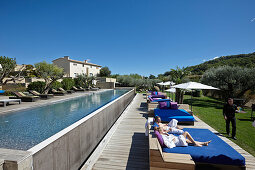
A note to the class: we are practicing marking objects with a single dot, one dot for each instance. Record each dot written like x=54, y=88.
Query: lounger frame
x=162, y=160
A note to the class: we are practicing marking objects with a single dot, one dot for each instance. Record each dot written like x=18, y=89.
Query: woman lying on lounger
x=171, y=127
x=182, y=140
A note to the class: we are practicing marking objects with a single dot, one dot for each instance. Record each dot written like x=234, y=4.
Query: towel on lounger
x=173, y=125
x=172, y=141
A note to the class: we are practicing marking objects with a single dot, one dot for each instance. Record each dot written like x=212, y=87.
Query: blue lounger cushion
x=179, y=118
x=167, y=115
x=171, y=112
x=217, y=152
x=161, y=100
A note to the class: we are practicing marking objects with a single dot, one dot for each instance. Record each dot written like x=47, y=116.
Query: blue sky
x=128, y=36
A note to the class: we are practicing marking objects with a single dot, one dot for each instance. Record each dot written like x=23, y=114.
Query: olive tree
x=49, y=72
x=105, y=72
x=7, y=70
x=234, y=81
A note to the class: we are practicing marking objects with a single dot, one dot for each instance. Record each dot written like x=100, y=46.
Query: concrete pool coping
x=30, y=158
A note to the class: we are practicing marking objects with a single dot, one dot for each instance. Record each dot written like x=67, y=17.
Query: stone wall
x=105, y=85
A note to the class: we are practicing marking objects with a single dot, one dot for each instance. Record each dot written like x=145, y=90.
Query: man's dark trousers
x=233, y=122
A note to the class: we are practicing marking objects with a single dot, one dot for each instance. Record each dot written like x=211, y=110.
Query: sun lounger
x=81, y=88
x=94, y=89
x=67, y=91
x=157, y=93
x=24, y=98
x=42, y=96
x=76, y=89
x=7, y=101
x=217, y=154
x=163, y=160
x=181, y=115
x=57, y=93
x=156, y=98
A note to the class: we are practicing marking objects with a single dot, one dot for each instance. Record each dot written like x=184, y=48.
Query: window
x=91, y=74
x=90, y=66
x=74, y=64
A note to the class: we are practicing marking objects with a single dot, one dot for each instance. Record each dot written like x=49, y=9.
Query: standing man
x=229, y=111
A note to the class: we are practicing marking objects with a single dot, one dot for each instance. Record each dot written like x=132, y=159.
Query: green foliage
x=30, y=71
x=137, y=81
x=80, y=81
x=114, y=75
x=210, y=111
x=68, y=83
x=179, y=75
x=105, y=72
x=56, y=85
x=152, y=76
x=8, y=65
x=234, y=81
x=241, y=60
x=37, y=86
x=84, y=81
x=49, y=72
x=136, y=76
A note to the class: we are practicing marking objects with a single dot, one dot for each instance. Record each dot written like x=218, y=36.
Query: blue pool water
x=25, y=129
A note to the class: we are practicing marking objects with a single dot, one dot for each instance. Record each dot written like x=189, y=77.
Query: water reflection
x=22, y=130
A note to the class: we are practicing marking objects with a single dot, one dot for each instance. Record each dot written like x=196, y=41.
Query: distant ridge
x=242, y=60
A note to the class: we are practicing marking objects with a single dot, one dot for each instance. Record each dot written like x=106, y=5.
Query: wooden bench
x=7, y=101
x=160, y=160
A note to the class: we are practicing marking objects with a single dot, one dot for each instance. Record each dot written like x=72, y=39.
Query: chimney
x=86, y=61
x=66, y=57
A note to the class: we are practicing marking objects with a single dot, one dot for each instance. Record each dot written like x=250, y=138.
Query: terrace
x=125, y=145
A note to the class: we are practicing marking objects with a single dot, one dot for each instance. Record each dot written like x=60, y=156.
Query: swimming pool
x=25, y=129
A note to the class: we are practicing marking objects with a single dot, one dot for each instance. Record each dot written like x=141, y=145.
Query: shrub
x=56, y=85
x=68, y=83
x=233, y=81
x=105, y=72
x=139, y=83
x=37, y=86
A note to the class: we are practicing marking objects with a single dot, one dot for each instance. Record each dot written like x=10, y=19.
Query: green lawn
x=210, y=111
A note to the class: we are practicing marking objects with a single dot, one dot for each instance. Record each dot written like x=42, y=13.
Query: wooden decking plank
x=128, y=147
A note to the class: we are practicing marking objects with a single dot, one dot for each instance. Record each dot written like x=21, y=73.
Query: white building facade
x=72, y=68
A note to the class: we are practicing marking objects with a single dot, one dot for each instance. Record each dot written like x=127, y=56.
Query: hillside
x=242, y=60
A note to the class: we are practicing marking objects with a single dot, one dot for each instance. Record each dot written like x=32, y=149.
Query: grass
x=210, y=111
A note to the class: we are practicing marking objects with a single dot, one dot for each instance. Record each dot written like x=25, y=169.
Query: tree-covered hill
x=242, y=60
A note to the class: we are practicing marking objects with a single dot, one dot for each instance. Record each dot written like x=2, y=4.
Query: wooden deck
x=128, y=147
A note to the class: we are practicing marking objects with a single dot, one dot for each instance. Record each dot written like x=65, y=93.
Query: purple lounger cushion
x=154, y=93
x=160, y=139
x=151, y=99
x=164, y=105
x=158, y=96
x=174, y=105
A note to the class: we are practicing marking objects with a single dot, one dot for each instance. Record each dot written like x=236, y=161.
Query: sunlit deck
x=127, y=147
